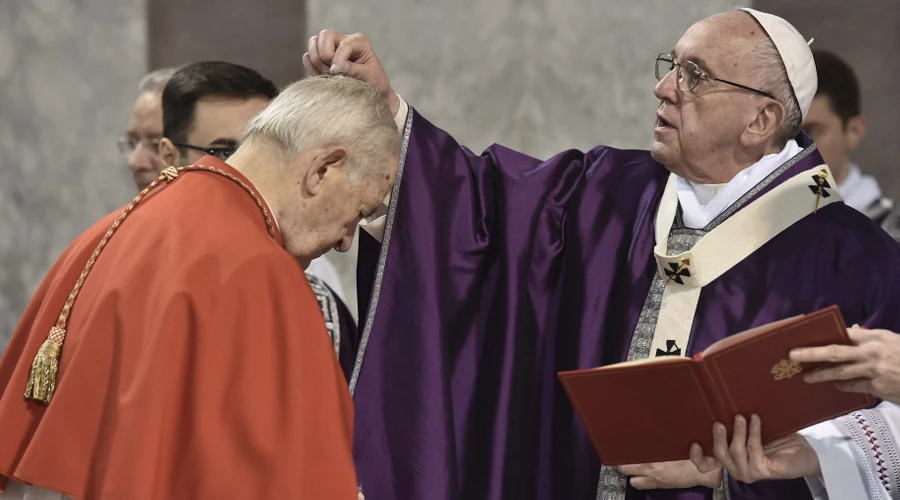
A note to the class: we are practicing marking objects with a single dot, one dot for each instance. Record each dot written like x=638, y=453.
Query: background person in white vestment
x=837, y=124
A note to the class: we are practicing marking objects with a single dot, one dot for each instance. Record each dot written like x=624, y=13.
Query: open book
x=652, y=410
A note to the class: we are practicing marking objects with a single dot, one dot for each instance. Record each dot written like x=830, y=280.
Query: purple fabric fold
x=502, y=270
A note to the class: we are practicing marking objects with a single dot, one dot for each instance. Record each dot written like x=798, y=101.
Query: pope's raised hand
x=335, y=53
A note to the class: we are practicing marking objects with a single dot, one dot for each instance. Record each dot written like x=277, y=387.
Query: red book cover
x=652, y=410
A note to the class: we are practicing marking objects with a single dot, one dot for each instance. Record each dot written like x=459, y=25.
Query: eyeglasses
x=220, y=152
x=127, y=145
x=689, y=75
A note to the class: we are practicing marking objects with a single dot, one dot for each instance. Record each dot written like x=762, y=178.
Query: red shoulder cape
x=197, y=363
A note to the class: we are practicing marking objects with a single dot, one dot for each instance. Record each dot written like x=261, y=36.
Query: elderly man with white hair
x=491, y=273
x=176, y=349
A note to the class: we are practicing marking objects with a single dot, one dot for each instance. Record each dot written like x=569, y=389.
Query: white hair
x=330, y=110
x=772, y=77
x=156, y=81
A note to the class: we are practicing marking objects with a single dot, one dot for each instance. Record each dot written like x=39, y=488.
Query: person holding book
x=852, y=457
x=484, y=275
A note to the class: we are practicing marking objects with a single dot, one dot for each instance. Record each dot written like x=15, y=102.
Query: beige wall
x=266, y=35
x=534, y=75
x=68, y=77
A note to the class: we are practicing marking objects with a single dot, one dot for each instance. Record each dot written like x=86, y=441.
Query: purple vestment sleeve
x=498, y=270
x=457, y=394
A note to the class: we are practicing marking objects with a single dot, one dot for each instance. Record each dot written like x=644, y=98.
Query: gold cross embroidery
x=822, y=182
x=677, y=272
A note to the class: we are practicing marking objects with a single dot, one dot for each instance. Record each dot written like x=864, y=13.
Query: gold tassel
x=42, y=381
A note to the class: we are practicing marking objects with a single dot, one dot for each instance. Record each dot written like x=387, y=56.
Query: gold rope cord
x=42, y=380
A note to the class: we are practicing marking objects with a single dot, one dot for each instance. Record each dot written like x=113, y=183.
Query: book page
x=740, y=337
x=646, y=361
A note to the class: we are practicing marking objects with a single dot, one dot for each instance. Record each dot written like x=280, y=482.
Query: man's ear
x=855, y=131
x=325, y=163
x=767, y=122
x=169, y=153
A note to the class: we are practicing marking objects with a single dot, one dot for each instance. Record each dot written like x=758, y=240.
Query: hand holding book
x=748, y=460
x=871, y=365
x=667, y=403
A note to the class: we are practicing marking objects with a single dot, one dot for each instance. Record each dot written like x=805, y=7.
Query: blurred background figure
x=140, y=145
x=837, y=124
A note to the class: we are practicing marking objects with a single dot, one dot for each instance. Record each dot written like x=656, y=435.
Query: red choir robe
x=196, y=364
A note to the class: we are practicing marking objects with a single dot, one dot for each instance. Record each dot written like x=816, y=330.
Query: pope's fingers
x=755, y=447
x=704, y=464
x=328, y=41
x=738, y=446
x=862, y=335
x=642, y=483
x=862, y=385
x=847, y=371
x=351, y=58
x=353, y=48
x=315, y=58
x=633, y=469
x=310, y=68
x=350, y=69
x=344, y=54
x=720, y=447
x=827, y=354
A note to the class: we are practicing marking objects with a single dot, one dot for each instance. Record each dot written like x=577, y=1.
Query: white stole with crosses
x=746, y=231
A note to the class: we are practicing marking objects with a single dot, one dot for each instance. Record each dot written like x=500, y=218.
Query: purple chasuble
x=497, y=271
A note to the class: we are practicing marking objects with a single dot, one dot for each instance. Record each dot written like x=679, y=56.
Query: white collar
x=697, y=215
x=858, y=190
